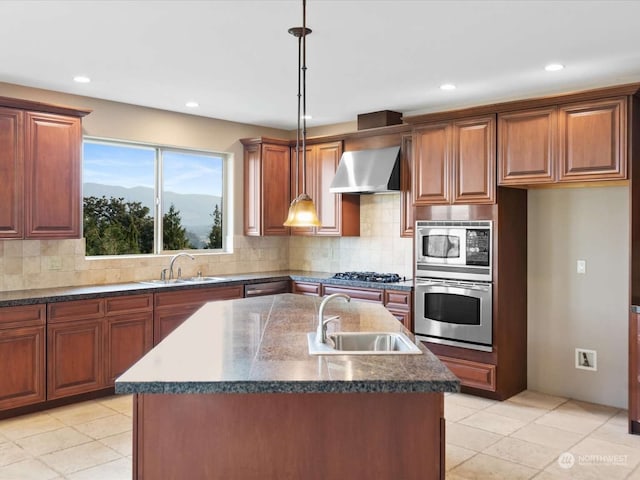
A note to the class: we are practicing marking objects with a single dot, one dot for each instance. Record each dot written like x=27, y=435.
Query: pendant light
x=302, y=211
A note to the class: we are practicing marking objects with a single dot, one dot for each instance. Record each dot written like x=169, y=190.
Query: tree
x=113, y=226
x=173, y=233
x=215, y=236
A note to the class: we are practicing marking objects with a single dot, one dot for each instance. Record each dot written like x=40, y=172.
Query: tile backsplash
x=27, y=264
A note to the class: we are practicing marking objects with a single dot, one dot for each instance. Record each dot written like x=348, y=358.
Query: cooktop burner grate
x=369, y=277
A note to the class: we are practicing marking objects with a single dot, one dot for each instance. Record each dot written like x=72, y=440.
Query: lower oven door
x=454, y=313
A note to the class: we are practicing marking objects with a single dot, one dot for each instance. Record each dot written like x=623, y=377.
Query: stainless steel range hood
x=368, y=171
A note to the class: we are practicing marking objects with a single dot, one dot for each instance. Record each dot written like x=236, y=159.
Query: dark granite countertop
x=259, y=345
x=63, y=294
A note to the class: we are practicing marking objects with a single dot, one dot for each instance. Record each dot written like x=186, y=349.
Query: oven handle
x=482, y=287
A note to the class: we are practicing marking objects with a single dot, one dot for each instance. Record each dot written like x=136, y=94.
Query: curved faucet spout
x=321, y=334
x=174, y=258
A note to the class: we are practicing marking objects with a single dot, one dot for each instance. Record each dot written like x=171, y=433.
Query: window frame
x=226, y=192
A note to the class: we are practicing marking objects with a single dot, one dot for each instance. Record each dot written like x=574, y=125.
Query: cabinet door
x=22, y=353
x=474, y=160
x=276, y=166
x=328, y=204
x=527, y=146
x=432, y=158
x=312, y=289
x=127, y=339
x=11, y=172
x=592, y=141
x=407, y=213
x=361, y=294
x=52, y=176
x=75, y=361
x=167, y=320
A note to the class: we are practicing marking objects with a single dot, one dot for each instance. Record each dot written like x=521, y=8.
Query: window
x=127, y=187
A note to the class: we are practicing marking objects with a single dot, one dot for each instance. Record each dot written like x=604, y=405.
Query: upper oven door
x=441, y=246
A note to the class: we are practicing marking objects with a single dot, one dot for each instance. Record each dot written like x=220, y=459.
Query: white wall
x=567, y=310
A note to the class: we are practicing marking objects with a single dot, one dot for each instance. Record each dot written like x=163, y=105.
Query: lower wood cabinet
x=472, y=374
x=362, y=294
x=22, y=355
x=399, y=303
x=634, y=373
x=173, y=308
x=91, y=342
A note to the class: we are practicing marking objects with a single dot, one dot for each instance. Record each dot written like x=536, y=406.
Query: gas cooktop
x=369, y=277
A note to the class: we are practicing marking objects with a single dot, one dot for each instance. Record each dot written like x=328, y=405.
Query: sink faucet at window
x=321, y=334
x=173, y=259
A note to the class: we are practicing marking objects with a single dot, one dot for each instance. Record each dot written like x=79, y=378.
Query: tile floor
x=521, y=438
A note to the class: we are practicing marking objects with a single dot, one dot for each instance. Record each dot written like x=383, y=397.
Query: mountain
x=195, y=209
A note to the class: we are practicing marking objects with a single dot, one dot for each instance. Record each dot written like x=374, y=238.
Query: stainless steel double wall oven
x=453, y=283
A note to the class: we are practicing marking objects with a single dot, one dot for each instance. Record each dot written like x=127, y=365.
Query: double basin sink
x=187, y=280
x=363, y=343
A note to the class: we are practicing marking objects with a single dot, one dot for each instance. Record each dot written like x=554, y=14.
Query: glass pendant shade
x=302, y=213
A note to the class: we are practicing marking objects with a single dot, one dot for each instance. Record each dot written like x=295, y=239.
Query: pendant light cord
x=304, y=97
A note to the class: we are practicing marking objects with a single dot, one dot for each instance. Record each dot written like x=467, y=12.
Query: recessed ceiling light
x=554, y=67
x=447, y=86
x=192, y=104
x=81, y=79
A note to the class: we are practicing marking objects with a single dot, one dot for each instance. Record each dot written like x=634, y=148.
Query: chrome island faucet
x=321, y=334
x=174, y=258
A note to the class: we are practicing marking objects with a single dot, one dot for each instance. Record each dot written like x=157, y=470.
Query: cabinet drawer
x=197, y=296
x=126, y=304
x=23, y=316
x=472, y=374
x=365, y=295
x=75, y=310
x=398, y=300
x=306, y=288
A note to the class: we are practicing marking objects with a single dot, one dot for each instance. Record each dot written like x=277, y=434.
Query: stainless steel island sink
x=363, y=343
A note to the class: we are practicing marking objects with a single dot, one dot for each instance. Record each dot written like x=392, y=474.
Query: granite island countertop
x=259, y=345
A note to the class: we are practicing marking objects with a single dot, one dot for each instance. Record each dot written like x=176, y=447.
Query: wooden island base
x=382, y=436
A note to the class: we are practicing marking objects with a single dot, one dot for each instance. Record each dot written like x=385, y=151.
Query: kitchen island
x=233, y=393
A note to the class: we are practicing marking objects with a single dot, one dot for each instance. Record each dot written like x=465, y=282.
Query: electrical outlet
x=586, y=359
x=581, y=267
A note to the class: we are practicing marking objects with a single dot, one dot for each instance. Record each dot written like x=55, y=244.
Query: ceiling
x=236, y=59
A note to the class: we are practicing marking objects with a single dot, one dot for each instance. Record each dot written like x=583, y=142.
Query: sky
x=133, y=166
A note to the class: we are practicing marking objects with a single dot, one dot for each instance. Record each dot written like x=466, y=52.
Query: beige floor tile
x=549, y=436
x=455, y=412
x=469, y=437
x=80, y=457
x=121, y=443
x=12, y=453
x=635, y=475
x=28, y=425
x=80, y=413
x=31, y=469
x=106, y=426
x=588, y=410
x=119, y=403
x=614, y=433
x=120, y=469
x=52, y=441
x=547, y=475
x=485, y=467
x=493, y=423
x=587, y=472
x=571, y=423
x=539, y=400
x=455, y=455
x=519, y=411
x=469, y=401
x=621, y=419
x=525, y=453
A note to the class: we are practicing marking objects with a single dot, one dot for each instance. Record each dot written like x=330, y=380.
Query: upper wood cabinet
x=338, y=213
x=576, y=142
x=266, y=179
x=454, y=162
x=40, y=160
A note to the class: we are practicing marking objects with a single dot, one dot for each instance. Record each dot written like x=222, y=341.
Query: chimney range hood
x=368, y=171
